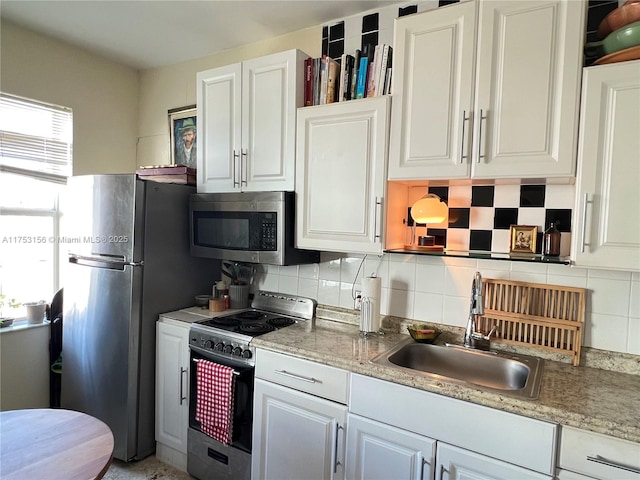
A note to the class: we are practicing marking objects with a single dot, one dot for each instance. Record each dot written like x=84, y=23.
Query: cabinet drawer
x=314, y=378
x=577, y=446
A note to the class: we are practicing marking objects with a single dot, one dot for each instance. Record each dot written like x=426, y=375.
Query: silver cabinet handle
x=583, y=234
x=298, y=377
x=611, y=463
x=465, y=119
x=182, y=394
x=244, y=162
x=483, y=116
x=442, y=470
x=424, y=462
x=236, y=156
x=375, y=219
x=337, y=463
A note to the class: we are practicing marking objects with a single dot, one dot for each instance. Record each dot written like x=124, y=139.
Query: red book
x=165, y=170
x=308, y=82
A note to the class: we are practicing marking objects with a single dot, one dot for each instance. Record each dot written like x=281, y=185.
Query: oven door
x=242, y=402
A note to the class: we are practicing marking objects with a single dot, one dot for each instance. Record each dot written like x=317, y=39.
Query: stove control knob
x=219, y=346
x=237, y=351
x=228, y=348
x=208, y=344
x=247, y=354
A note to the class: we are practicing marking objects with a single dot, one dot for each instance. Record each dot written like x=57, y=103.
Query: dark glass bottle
x=551, y=241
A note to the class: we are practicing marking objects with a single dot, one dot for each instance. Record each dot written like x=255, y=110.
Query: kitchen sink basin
x=510, y=374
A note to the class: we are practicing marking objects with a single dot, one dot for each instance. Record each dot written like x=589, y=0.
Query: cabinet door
x=379, y=451
x=456, y=463
x=296, y=435
x=432, y=94
x=529, y=57
x=607, y=193
x=219, y=129
x=172, y=378
x=272, y=91
x=340, y=176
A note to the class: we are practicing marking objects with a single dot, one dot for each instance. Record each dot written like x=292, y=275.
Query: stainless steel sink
x=510, y=374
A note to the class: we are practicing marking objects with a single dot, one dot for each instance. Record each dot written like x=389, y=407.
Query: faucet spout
x=476, y=307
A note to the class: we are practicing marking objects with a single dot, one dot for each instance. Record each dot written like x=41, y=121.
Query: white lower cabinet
x=172, y=391
x=296, y=433
x=459, y=464
x=403, y=425
x=376, y=451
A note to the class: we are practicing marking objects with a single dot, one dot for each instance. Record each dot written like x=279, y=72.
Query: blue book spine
x=362, y=78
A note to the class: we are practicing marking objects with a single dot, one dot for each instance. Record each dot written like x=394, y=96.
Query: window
x=35, y=161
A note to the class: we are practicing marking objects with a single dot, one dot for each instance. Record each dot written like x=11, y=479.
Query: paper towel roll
x=370, y=308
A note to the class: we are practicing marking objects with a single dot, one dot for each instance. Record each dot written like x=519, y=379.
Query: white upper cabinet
x=247, y=122
x=341, y=175
x=607, y=194
x=487, y=89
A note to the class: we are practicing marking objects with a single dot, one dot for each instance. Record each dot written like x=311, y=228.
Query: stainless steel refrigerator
x=128, y=261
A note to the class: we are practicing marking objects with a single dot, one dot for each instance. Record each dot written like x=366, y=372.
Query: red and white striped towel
x=214, y=406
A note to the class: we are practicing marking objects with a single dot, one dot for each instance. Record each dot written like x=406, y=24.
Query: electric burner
x=230, y=335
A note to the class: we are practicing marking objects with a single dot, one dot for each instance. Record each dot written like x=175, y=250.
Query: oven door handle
x=299, y=377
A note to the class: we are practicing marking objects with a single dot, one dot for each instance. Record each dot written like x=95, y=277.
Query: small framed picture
x=523, y=239
x=182, y=125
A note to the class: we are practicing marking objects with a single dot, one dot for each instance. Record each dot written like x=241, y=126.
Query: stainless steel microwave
x=254, y=227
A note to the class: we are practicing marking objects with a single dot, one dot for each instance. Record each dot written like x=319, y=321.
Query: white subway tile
x=529, y=267
x=607, y=332
x=567, y=270
x=458, y=239
x=430, y=278
x=531, y=216
x=500, y=241
x=309, y=270
x=560, y=196
x=455, y=311
x=347, y=293
x=350, y=266
x=402, y=276
x=567, y=281
x=609, y=297
x=428, y=307
x=528, y=277
x=634, y=300
x=400, y=303
x=609, y=274
x=377, y=266
x=308, y=287
x=288, y=285
x=481, y=218
x=402, y=258
x=458, y=280
x=633, y=338
x=289, y=271
x=269, y=282
x=460, y=262
x=329, y=293
x=329, y=269
x=459, y=196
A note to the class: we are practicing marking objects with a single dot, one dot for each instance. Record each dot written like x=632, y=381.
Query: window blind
x=36, y=138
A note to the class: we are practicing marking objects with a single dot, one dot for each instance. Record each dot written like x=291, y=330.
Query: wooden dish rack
x=548, y=317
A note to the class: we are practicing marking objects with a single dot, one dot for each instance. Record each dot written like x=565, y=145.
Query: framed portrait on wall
x=182, y=125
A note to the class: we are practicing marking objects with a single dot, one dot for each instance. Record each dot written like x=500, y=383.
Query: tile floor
x=149, y=468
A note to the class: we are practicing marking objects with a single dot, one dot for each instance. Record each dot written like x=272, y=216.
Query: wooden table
x=53, y=444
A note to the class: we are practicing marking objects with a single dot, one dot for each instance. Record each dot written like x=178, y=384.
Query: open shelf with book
x=366, y=73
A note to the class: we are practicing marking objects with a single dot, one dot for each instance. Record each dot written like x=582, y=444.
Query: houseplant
x=11, y=303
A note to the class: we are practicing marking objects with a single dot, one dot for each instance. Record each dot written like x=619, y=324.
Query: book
x=354, y=73
x=343, y=73
x=382, y=70
x=361, y=86
x=373, y=74
x=346, y=82
x=165, y=170
x=324, y=77
x=308, y=82
x=316, y=80
x=333, y=78
x=180, y=178
x=387, y=82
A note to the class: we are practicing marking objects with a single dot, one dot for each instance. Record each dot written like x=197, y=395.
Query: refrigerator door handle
x=102, y=261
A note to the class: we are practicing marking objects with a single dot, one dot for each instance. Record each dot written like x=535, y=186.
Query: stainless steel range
x=226, y=340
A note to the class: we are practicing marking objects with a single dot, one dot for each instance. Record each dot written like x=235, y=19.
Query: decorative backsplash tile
x=480, y=216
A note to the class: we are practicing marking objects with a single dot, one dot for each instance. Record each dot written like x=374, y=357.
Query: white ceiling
x=147, y=34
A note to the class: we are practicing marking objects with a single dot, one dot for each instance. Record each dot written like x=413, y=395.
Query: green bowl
x=423, y=333
x=625, y=37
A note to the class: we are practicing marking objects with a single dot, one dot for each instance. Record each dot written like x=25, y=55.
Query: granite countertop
x=594, y=399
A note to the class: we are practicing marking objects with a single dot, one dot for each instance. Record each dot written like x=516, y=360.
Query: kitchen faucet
x=472, y=338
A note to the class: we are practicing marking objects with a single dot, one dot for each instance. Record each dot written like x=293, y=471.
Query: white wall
x=102, y=94
x=436, y=289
